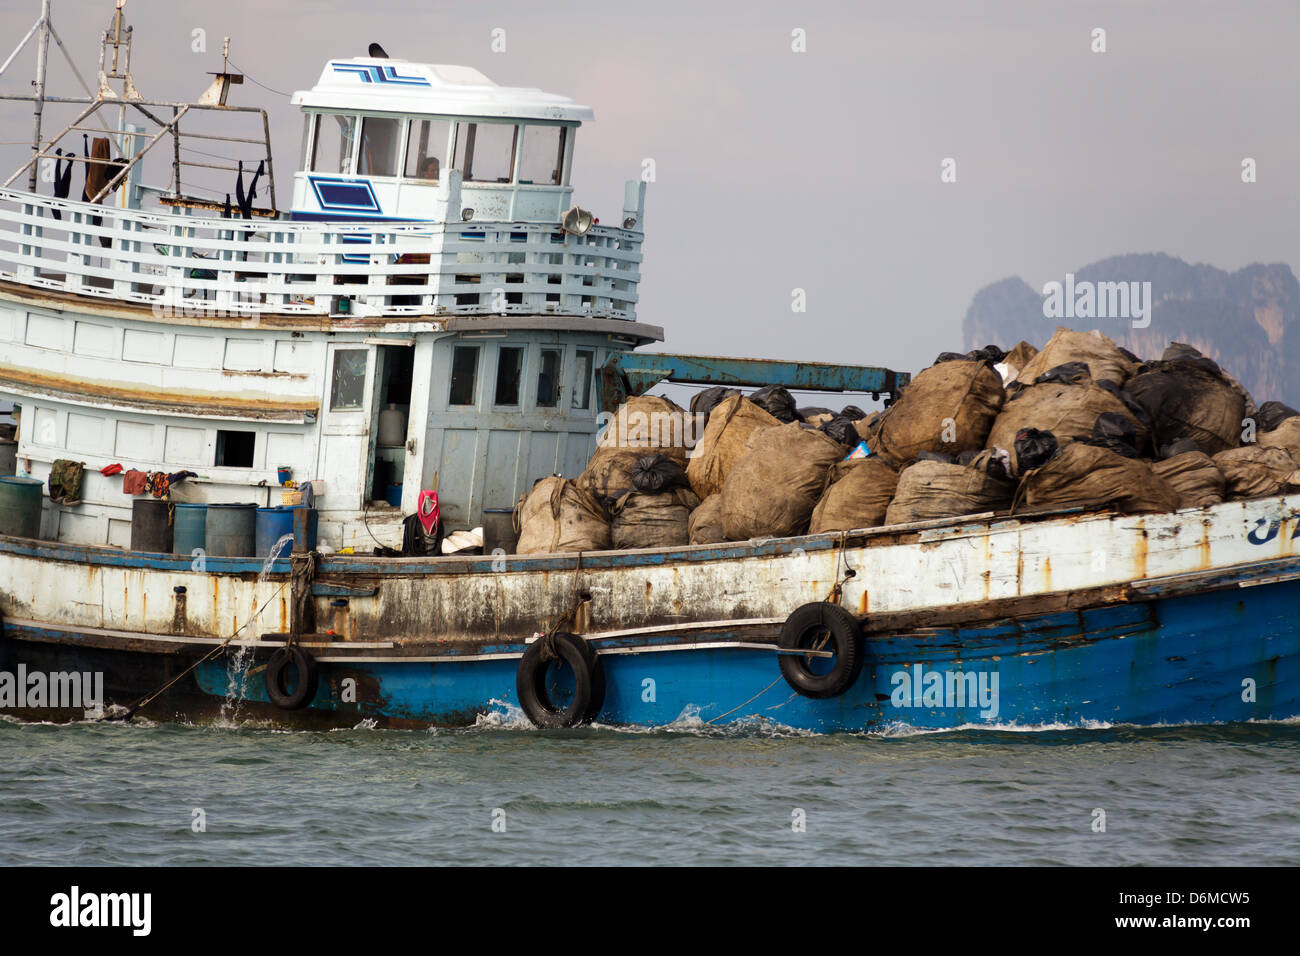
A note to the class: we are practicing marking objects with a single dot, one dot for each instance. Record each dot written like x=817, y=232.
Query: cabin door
x=347, y=431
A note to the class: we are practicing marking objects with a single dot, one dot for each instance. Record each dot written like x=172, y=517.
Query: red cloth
x=428, y=510
x=133, y=482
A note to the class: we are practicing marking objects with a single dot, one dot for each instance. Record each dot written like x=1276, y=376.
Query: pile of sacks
x=1081, y=423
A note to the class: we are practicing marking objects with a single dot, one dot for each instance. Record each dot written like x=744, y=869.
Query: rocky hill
x=1248, y=321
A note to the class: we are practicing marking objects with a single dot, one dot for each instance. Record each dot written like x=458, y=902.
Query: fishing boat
x=433, y=313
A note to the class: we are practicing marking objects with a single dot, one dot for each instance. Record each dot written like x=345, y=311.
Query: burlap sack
x=1186, y=400
x=1087, y=476
x=947, y=408
x=1255, y=471
x=731, y=423
x=1067, y=411
x=1194, y=476
x=705, y=524
x=642, y=426
x=653, y=520
x=857, y=495
x=1285, y=436
x=1103, y=357
x=1017, y=359
x=559, y=515
x=773, y=488
x=936, y=489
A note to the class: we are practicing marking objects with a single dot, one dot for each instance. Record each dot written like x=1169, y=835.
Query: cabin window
x=485, y=152
x=542, y=163
x=235, y=449
x=582, y=368
x=464, y=370
x=510, y=365
x=548, y=379
x=426, y=149
x=333, y=150
x=348, y=383
x=379, y=141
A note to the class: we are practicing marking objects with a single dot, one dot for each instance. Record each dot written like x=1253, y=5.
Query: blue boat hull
x=1224, y=655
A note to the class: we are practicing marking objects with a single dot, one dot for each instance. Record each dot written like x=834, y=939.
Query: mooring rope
x=149, y=698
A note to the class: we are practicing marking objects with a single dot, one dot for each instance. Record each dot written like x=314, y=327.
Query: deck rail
x=178, y=263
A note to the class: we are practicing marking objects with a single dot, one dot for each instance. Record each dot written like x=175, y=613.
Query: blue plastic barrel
x=231, y=530
x=20, y=506
x=273, y=524
x=189, y=527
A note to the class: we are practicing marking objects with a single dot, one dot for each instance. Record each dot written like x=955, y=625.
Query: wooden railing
x=180, y=263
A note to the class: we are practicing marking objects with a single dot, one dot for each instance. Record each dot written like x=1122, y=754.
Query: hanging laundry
x=113, y=469
x=134, y=482
x=159, y=484
x=65, y=481
x=62, y=179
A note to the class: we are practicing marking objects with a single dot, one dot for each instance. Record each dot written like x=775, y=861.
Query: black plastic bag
x=1131, y=403
x=1034, y=448
x=950, y=357
x=842, y=430
x=811, y=410
x=853, y=413
x=968, y=456
x=990, y=353
x=1069, y=373
x=777, y=401
x=1115, y=432
x=655, y=473
x=702, y=403
x=1272, y=414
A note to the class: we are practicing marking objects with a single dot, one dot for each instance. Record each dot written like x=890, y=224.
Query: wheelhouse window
x=380, y=138
x=348, y=383
x=485, y=152
x=510, y=365
x=426, y=149
x=333, y=150
x=548, y=379
x=582, y=368
x=542, y=162
x=464, y=371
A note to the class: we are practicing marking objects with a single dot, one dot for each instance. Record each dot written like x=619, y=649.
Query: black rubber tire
x=589, y=683
x=308, y=677
x=835, y=629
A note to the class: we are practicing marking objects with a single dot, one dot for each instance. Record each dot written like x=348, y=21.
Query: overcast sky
x=820, y=170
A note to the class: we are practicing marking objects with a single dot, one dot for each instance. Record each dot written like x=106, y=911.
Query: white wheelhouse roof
x=399, y=86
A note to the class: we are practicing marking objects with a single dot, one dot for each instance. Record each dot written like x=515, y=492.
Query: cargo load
x=653, y=520
x=1085, y=475
x=1194, y=476
x=1186, y=399
x=730, y=426
x=948, y=408
x=1255, y=471
x=1103, y=357
x=857, y=495
x=1069, y=412
x=773, y=488
x=560, y=515
x=935, y=489
x=705, y=524
x=644, y=425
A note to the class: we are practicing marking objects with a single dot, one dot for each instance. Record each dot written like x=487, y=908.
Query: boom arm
x=635, y=373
